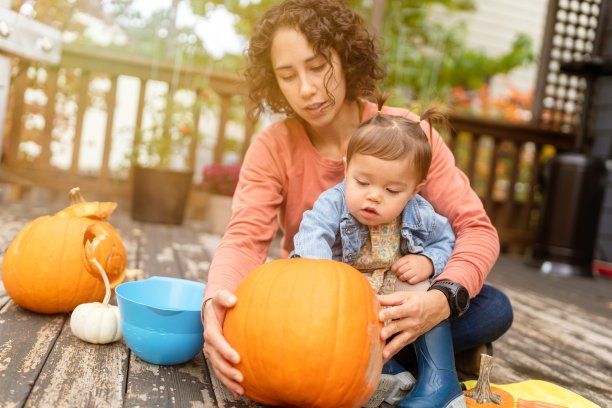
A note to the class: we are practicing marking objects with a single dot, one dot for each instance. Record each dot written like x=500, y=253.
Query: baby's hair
x=392, y=137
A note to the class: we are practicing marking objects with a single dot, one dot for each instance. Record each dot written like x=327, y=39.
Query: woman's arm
x=449, y=192
x=255, y=208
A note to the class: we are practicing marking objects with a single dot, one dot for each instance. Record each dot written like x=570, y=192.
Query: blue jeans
x=487, y=319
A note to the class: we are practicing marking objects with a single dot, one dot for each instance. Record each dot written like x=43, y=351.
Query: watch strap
x=456, y=295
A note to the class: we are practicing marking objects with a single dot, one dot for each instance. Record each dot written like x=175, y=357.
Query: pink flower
x=220, y=178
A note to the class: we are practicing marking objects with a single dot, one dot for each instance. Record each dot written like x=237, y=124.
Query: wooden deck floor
x=562, y=331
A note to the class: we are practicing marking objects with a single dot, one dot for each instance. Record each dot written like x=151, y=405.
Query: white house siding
x=495, y=25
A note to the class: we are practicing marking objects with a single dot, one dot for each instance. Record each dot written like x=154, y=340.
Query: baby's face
x=378, y=190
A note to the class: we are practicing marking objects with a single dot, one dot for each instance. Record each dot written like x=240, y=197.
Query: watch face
x=463, y=299
x=457, y=296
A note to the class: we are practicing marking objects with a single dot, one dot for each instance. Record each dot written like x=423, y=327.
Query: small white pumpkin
x=96, y=322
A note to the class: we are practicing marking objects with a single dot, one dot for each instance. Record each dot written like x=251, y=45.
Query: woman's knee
x=499, y=302
x=488, y=317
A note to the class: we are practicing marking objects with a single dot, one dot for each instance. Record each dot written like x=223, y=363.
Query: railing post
x=220, y=147
x=488, y=198
x=506, y=218
x=470, y=171
x=78, y=129
x=43, y=161
x=534, y=175
x=193, y=145
x=111, y=99
x=17, y=93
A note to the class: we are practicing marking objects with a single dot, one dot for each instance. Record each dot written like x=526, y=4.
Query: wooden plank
x=172, y=254
x=193, y=250
x=505, y=130
x=80, y=374
x=26, y=340
x=4, y=297
x=157, y=257
x=12, y=222
x=555, y=341
x=151, y=385
x=190, y=251
x=225, y=399
x=131, y=236
x=61, y=180
x=175, y=250
x=183, y=385
x=111, y=62
x=561, y=331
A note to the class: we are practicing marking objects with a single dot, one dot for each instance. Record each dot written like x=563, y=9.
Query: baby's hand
x=413, y=268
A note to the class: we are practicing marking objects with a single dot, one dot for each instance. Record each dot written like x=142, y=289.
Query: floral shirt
x=378, y=254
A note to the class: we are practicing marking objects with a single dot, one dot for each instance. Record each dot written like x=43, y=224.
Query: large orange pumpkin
x=308, y=334
x=45, y=268
x=506, y=400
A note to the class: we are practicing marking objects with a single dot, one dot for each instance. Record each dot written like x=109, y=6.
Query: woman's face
x=302, y=75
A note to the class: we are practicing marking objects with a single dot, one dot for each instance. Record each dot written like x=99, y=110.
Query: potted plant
x=161, y=175
x=219, y=182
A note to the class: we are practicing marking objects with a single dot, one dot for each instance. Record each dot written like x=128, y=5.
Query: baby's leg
x=401, y=286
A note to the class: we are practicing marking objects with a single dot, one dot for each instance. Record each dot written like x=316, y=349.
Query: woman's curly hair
x=327, y=25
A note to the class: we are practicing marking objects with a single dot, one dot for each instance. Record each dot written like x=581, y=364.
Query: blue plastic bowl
x=160, y=318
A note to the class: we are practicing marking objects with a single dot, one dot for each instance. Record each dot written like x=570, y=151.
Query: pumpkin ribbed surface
x=308, y=334
x=507, y=400
x=45, y=269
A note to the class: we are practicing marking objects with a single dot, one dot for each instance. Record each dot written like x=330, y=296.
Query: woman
x=314, y=60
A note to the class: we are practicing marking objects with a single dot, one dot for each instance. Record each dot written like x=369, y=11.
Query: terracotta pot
x=160, y=196
x=218, y=213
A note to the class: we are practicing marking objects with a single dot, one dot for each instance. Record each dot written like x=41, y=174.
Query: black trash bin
x=573, y=193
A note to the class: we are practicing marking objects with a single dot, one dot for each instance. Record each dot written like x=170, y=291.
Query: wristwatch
x=456, y=295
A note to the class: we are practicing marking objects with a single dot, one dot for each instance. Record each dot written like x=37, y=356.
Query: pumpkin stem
x=482, y=393
x=106, y=283
x=89, y=249
x=76, y=196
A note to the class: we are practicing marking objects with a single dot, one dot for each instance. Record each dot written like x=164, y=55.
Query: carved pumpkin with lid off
x=46, y=270
x=308, y=334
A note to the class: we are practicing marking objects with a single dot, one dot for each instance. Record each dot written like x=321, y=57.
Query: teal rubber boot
x=437, y=384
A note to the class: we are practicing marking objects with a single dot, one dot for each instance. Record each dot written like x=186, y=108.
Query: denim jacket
x=329, y=231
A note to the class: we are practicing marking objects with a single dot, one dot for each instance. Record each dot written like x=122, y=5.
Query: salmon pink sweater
x=283, y=174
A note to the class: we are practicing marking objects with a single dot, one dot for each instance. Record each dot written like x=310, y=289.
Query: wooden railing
x=72, y=84
x=502, y=160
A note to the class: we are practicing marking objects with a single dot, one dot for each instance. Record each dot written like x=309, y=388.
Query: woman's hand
x=221, y=355
x=413, y=268
x=410, y=314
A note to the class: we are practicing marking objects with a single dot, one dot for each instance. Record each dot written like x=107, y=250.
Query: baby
x=376, y=221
